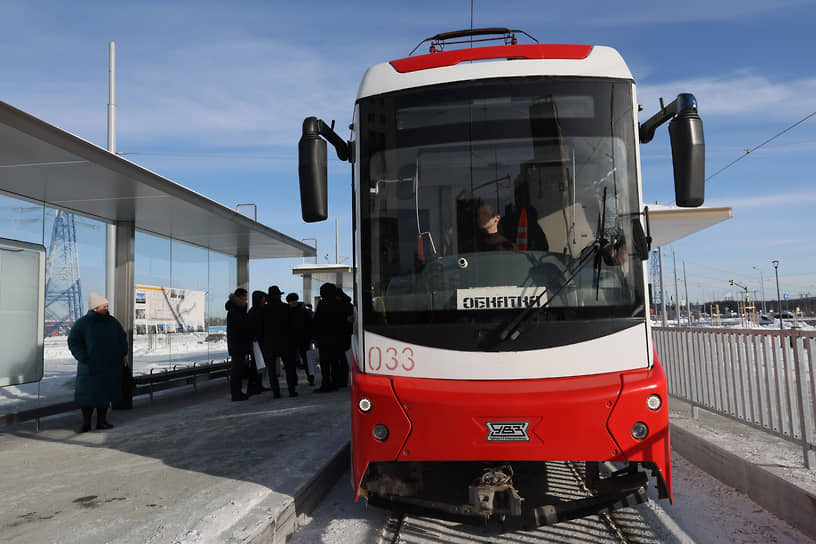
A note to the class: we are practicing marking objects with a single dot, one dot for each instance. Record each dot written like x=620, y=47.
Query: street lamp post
x=778, y=298
x=762, y=289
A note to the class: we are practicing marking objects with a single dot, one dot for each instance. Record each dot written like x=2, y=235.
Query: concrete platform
x=766, y=468
x=188, y=468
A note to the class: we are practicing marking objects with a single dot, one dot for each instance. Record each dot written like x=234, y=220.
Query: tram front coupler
x=493, y=493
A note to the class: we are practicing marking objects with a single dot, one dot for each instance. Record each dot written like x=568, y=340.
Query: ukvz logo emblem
x=507, y=431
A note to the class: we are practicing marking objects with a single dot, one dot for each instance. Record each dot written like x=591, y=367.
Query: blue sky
x=212, y=95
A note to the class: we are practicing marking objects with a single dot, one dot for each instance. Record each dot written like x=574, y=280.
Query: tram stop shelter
x=45, y=165
x=671, y=223
x=342, y=275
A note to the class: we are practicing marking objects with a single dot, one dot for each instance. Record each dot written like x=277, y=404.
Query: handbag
x=260, y=364
x=312, y=360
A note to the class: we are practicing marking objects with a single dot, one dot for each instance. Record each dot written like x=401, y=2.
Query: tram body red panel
x=656, y=448
x=585, y=418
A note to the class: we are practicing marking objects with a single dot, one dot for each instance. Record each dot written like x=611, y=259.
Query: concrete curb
x=784, y=499
x=306, y=499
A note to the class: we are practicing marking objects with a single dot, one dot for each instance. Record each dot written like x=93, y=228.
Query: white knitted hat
x=96, y=300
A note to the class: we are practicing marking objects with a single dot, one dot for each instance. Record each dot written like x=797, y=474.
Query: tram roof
x=42, y=163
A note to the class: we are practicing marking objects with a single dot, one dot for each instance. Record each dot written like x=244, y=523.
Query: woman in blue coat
x=98, y=343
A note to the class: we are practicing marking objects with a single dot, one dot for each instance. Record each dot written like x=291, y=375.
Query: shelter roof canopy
x=42, y=163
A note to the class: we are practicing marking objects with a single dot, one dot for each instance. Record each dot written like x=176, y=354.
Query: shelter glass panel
x=186, y=302
x=223, y=279
x=153, y=278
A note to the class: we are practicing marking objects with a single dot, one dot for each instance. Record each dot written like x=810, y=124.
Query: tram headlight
x=364, y=405
x=639, y=430
x=380, y=432
x=654, y=402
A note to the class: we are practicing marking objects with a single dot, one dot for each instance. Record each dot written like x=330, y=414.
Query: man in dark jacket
x=276, y=330
x=346, y=309
x=254, y=382
x=329, y=328
x=239, y=340
x=98, y=342
x=300, y=325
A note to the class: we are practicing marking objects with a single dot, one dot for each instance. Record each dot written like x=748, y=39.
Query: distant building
x=168, y=310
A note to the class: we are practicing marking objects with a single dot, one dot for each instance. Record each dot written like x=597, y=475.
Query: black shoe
x=275, y=395
x=311, y=380
x=84, y=429
x=293, y=394
x=242, y=397
x=103, y=425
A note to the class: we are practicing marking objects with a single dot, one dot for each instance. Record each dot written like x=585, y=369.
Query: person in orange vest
x=521, y=231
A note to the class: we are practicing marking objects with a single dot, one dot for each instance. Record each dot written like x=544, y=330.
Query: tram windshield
x=483, y=199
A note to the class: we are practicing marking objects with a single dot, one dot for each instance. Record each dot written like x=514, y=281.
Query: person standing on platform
x=329, y=325
x=255, y=382
x=300, y=324
x=98, y=343
x=276, y=328
x=346, y=309
x=239, y=340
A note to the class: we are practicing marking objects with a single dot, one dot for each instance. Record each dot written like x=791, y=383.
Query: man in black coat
x=239, y=340
x=329, y=328
x=300, y=325
x=255, y=382
x=346, y=309
x=276, y=330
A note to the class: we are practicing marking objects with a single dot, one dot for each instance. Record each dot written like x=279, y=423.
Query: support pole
x=688, y=299
x=778, y=298
x=110, y=266
x=243, y=272
x=110, y=229
x=112, y=97
x=662, y=290
x=676, y=290
x=124, y=292
x=307, y=289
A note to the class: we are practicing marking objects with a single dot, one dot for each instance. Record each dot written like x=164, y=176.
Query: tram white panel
x=623, y=350
x=601, y=62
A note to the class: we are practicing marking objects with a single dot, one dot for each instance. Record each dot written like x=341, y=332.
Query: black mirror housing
x=312, y=172
x=688, y=158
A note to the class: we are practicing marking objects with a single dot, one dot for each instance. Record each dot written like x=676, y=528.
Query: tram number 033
x=391, y=358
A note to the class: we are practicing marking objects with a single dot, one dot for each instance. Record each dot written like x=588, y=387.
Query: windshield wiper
x=603, y=249
x=514, y=328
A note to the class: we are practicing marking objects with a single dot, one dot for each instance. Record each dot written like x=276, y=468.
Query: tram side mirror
x=313, y=177
x=688, y=158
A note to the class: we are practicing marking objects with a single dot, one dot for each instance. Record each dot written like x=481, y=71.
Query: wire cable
x=751, y=150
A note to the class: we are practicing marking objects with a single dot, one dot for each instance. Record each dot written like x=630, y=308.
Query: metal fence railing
x=763, y=378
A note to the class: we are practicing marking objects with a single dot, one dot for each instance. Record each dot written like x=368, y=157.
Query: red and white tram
x=500, y=287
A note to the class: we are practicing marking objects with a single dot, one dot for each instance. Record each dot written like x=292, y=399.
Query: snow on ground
x=737, y=323
x=156, y=353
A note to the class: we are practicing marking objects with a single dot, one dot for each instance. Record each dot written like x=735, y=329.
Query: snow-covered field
x=737, y=323
x=156, y=353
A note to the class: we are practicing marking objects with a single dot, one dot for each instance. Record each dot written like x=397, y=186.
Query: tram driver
x=489, y=237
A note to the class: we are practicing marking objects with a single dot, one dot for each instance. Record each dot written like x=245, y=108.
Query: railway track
x=565, y=480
